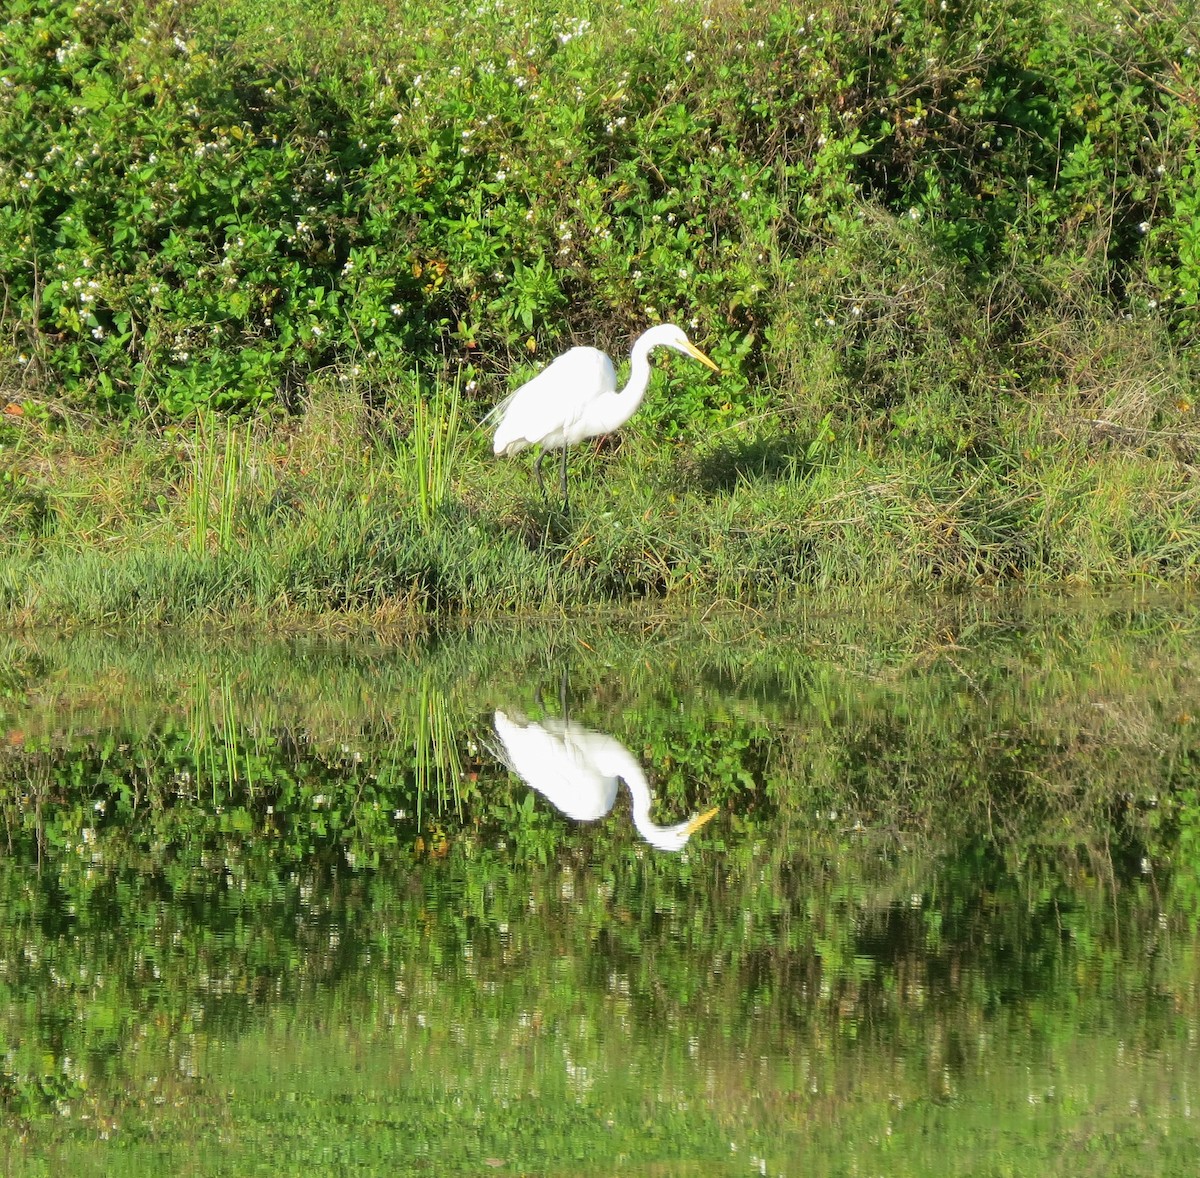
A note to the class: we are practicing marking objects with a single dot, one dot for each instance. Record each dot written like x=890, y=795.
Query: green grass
x=343, y=515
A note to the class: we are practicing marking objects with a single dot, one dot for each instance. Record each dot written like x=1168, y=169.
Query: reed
x=221, y=465
x=430, y=454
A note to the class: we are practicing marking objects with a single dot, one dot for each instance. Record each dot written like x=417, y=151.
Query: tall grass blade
x=432, y=447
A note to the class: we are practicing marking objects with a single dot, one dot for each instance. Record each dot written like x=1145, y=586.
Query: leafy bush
x=202, y=204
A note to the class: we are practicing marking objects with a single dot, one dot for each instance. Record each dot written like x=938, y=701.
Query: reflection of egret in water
x=577, y=770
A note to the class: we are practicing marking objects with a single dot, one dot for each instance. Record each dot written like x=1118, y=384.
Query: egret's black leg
x=562, y=478
x=537, y=472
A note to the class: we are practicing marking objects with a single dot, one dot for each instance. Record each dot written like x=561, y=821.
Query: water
x=413, y=908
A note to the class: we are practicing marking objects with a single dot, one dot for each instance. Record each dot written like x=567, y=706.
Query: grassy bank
x=330, y=515
x=262, y=276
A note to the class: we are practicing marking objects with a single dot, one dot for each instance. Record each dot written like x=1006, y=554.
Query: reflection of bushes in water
x=948, y=719
x=928, y=828
x=845, y=949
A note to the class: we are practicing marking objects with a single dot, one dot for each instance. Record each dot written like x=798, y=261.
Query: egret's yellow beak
x=700, y=819
x=699, y=355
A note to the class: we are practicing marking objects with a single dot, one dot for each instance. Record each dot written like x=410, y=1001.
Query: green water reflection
x=304, y=905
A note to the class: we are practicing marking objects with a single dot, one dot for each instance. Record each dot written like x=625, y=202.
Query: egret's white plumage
x=576, y=397
x=577, y=770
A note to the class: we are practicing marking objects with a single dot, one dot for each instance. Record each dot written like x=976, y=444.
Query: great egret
x=576, y=397
x=577, y=770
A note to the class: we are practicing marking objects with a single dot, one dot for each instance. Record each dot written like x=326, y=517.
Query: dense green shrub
x=203, y=203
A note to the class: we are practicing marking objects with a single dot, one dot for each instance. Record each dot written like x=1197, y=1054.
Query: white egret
x=577, y=770
x=576, y=397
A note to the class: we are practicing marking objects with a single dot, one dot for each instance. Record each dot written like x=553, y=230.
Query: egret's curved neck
x=614, y=410
x=639, y=787
x=639, y=370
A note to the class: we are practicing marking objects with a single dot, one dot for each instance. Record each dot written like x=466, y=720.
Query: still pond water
x=875, y=893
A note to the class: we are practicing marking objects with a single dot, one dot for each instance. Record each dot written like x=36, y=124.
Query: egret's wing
x=542, y=409
x=554, y=767
x=497, y=411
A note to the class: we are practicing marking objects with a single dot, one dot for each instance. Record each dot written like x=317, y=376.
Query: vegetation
x=262, y=262
x=951, y=901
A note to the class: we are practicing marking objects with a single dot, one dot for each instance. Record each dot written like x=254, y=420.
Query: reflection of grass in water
x=829, y=976
x=219, y=737
x=987, y=682
x=438, y=764
x=426, y=740
x=424, y=745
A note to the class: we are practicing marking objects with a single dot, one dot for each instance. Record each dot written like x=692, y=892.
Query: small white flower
x=1144, y=228
x=397, y=309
